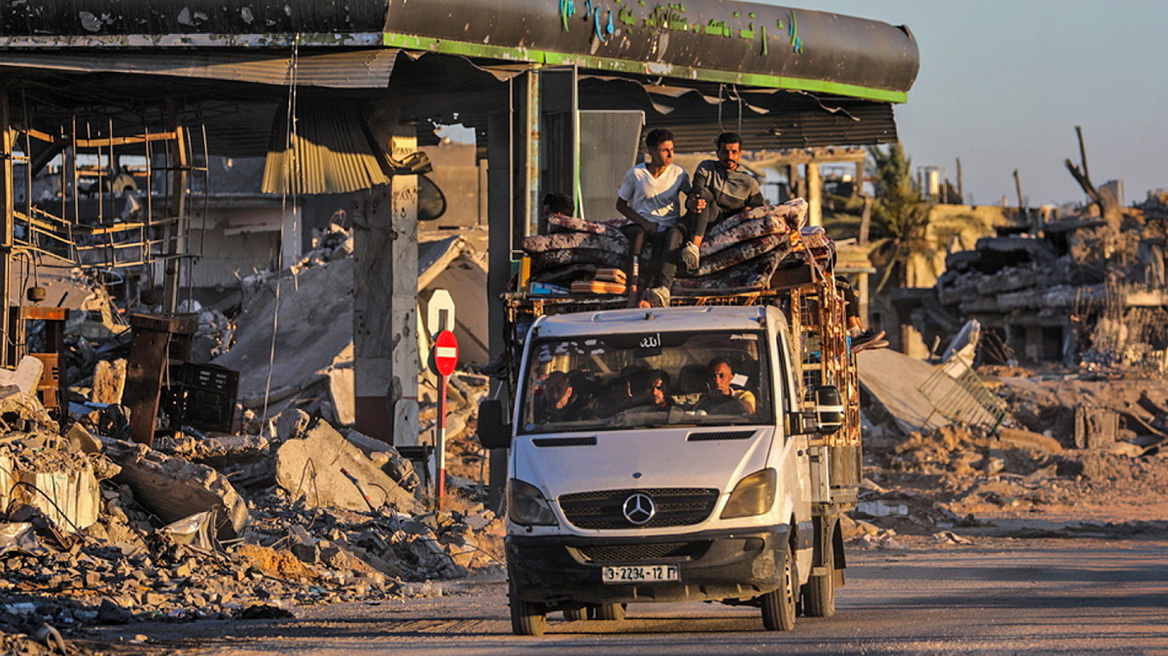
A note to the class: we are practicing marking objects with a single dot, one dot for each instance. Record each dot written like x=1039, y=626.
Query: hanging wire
x=291, y=170
x=739, y=97
x=148, y=256
x=721, y=128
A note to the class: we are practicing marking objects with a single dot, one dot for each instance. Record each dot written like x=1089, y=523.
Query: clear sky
x=1003, y=83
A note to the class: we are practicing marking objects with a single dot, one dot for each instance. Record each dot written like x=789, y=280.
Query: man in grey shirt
x=720, y=189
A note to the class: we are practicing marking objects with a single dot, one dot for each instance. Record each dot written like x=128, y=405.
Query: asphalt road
x=1050, y=596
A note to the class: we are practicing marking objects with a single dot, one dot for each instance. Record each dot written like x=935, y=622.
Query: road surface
x=998, y=596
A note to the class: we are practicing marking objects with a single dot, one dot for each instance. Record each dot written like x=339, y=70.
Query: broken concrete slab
x=892, y=378
x=109, y=381
x=70, y=498
x=1029, y=440
x=173, y=488
x=25, y=377
x=310, y=466
x=82, y=440
x=314, y=322
x=341, y=387
x=1095, y=428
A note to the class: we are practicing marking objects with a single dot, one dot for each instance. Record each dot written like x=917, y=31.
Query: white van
x=671, y=454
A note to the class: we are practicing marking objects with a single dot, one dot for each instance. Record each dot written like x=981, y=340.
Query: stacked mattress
x=739, y=254
x=742, y=252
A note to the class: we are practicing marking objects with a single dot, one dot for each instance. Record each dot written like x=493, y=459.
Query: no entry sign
x=445, y=352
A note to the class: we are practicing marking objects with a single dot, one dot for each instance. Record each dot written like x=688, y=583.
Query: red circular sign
x=445, y=352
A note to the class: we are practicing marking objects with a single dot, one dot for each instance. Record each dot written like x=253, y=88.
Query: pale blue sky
x=1003, y=84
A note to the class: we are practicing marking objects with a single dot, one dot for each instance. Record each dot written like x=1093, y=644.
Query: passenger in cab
x=651, y=389
x=557, y=400
x=720, y=396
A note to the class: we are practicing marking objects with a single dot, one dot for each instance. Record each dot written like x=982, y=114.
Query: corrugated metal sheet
x=330, y=152
x=352, y=69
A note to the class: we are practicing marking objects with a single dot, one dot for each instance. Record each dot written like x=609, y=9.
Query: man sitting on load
x=720, y=189
x=650, y=197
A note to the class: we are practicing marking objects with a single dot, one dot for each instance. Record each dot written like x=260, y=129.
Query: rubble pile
x=1100, y=444
x=95, y=530
x=1086, y=292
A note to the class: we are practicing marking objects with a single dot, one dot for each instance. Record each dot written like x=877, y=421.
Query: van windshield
x=646, y=380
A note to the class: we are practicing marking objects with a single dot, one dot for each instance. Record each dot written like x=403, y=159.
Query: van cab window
x=645, y=381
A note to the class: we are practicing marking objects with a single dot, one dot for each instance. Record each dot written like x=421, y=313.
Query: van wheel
x=611, y=612
x=527, y=618
x=819, y=592
x=576, y=614
x=778, y=606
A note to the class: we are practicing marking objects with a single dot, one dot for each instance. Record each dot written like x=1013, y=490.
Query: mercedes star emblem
x=639, y=508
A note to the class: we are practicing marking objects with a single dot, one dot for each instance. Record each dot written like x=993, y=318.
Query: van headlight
x=526, y=505
x=754, y=495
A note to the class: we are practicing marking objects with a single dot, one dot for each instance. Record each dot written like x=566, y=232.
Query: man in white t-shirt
x=649, y=197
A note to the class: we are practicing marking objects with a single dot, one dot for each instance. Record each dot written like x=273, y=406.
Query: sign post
x=444, y=358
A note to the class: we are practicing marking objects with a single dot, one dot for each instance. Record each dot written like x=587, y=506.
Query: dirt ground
x=953, y=482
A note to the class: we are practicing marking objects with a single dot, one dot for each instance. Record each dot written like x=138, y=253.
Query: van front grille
x=604, y=510
x=624, y=553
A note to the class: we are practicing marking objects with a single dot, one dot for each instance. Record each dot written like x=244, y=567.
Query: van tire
x=819, y=592
x=576, y=614
x=778, y=606
x=610, y=612
x=527, y=618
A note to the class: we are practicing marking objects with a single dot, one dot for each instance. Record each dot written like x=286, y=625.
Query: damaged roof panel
x=351, y=69
x=708, y=40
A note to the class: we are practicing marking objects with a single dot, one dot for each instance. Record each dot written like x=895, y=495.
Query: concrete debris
x=1095, y=427
x=893, y=380
x=173, y=488
x=109, y=381
x=291, y=509
x=25, y=377
x=150, y=554
x=314, y=327
x=310, y=467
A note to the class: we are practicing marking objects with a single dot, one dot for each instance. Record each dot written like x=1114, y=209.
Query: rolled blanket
x=597, y=287
x=740, y=253
x=573, y=240
x=565, y=274
x=751, y=275
x=768, y=224
x=565, y=223
x=561, y=257
x=792, y=212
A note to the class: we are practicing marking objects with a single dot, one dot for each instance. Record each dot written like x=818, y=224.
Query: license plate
x=640, y=574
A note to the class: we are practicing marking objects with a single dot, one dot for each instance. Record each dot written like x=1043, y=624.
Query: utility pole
x=960, y=186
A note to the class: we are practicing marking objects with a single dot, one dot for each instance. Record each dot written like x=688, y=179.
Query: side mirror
x=494, y=431
x=828, y=408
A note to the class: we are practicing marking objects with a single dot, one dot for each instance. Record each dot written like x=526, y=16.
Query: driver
x=720, y=397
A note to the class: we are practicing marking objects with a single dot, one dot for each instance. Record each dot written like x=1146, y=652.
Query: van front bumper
x=713, y=565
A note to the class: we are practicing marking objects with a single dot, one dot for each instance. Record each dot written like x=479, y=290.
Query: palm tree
x=900, y=215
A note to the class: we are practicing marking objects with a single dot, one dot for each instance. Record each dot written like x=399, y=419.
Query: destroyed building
x=1085, y=290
